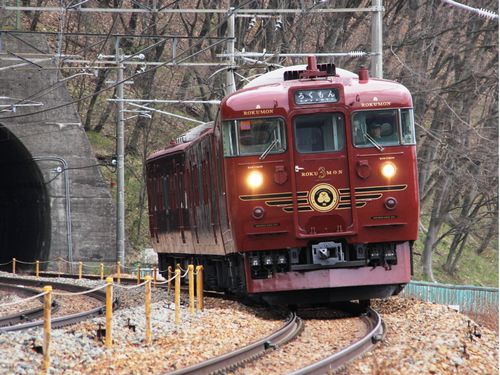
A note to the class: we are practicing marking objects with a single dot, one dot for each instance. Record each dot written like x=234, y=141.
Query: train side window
x=254, y=136
x=322, y=132
x=407, y=127
x=164, y=180
x=154, y=194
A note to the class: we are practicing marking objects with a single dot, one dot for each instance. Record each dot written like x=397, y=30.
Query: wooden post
x=47, y=310
x=80, y=270
x=109, y=313
x=37, y=269
x=102, y=271
x=191, y=288
x=148, y=309
x=138, y=274
x=154, y=277
x=199, y=288
x=14, y=266
x=177, y=296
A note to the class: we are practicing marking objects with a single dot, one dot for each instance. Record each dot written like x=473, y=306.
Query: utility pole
x=230, y=83
x=120, y=159
x=377, y=65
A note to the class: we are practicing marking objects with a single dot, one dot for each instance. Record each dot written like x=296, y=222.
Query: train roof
x=182, y=142
x=271, y=90
x=276, y=76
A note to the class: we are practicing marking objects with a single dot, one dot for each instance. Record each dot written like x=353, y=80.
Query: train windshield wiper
x=269, y=148
x=373, y=141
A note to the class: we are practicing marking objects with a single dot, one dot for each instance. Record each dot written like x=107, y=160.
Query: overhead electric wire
x=228, y=14
x=193, y=10
x=25, y=42
x=45, y=90
x=480, y=12
x=169, y=36
x=108, y=34
x=51, y=88
x=58, y=83
x=106, y=88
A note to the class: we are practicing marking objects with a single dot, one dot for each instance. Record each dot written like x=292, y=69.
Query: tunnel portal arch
x=24, y=204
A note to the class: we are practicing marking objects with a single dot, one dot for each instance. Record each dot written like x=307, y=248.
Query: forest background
x=446, y=56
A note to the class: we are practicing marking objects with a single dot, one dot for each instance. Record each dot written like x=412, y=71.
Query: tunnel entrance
x=24, y=205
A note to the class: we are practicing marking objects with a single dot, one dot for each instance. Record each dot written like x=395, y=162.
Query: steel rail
x=133, y=280
x=25, y=315
x=341, y=358
x=232, y=360
x=63, y=320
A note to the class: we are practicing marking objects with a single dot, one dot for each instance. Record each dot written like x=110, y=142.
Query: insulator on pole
x=356, y=53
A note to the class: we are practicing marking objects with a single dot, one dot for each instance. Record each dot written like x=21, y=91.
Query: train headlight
x=388, y=170
x=255, y=179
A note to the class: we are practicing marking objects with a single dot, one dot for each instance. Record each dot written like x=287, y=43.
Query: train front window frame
x=382, y=127
x=319, y=132
x=254, y=136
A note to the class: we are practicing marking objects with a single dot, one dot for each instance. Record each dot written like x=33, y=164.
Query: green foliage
x=100, y=143
x=473, y=269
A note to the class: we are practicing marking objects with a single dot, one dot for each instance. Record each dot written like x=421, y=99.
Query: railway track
x=294, y=325
x=58, y=321
x=291, y=329
x=27, y=314
x=376, y=331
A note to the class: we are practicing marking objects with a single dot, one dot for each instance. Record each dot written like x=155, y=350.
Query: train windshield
x=260, y=136
x=379, y=128
x=320, y=132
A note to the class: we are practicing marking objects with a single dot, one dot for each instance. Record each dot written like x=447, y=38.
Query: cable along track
x=62, y=320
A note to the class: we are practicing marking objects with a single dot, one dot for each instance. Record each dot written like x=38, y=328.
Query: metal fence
x=470, y=299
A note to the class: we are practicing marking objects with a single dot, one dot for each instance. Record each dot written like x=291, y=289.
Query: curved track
x=25, y=315
x=60, y=321
x=290, y=330
x=341, y=358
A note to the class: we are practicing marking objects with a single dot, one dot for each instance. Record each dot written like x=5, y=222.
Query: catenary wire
x=228, y=14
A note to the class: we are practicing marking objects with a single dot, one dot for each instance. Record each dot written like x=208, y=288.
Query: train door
x=322, y=205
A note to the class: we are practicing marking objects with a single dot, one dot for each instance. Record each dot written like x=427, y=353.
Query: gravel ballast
x=421, y=338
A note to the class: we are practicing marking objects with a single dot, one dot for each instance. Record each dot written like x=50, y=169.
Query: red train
x=303, y=190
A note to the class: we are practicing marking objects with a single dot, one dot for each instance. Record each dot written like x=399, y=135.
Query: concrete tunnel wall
x=44, y=158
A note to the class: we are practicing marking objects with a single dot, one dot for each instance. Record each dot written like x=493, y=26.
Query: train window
x=164, y=181
x=375, y=128
x=254, y=136
x=407, y=127
x=321, y=132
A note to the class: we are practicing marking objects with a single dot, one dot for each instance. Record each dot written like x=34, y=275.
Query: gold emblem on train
x=323, y=197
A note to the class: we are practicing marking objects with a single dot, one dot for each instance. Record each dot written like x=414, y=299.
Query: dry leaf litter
x=421, y=338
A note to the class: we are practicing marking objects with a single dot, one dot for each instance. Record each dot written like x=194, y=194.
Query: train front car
x=321, y=184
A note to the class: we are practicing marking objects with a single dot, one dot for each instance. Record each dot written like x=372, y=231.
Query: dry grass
x=488, y=319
